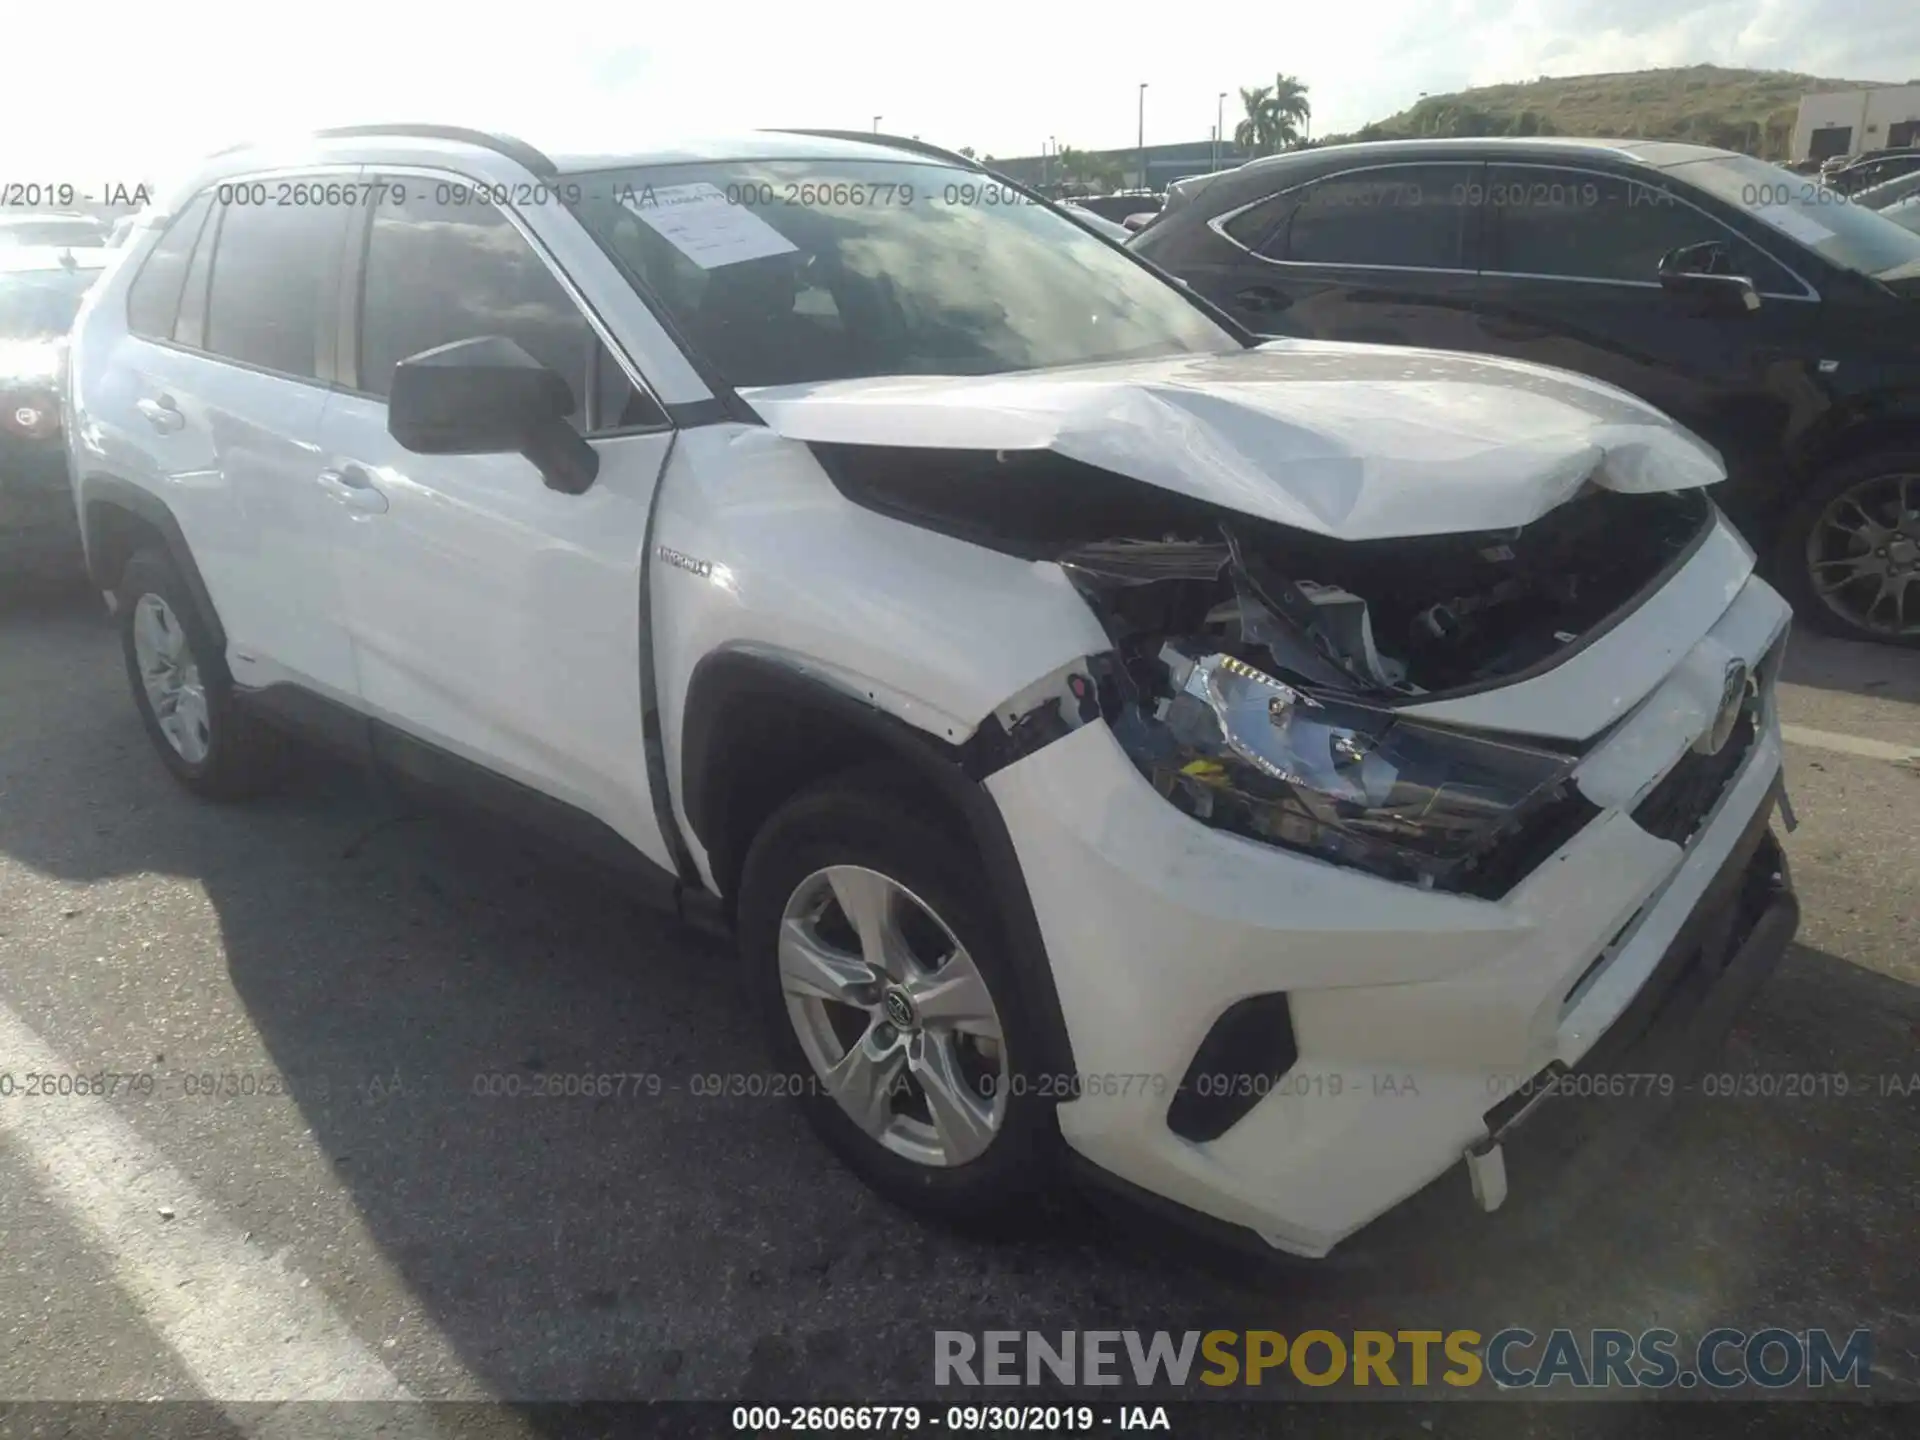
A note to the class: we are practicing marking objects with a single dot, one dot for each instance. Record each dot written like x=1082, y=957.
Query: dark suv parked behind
x=1778, y=321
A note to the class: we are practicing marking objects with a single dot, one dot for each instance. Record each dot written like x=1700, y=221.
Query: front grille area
x=1675, y=808
x=1537, y=840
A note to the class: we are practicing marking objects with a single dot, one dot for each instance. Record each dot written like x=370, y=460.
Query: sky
x=119, y=92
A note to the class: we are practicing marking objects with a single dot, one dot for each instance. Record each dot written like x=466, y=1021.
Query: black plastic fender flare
x=100, y=491
x=731, y=682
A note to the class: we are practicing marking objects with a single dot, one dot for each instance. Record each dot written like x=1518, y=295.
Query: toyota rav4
x=1108, y=736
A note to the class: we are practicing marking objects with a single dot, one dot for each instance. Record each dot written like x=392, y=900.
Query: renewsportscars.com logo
x=1772, y=1358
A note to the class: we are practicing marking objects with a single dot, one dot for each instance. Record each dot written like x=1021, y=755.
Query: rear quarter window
x=153, y=301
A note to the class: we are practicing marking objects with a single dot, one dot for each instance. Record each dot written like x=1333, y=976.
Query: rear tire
x=183, y=691
x=1848, y=553
x=981, y=1163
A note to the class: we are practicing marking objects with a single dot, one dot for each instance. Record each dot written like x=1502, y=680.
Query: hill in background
x=1750, y=110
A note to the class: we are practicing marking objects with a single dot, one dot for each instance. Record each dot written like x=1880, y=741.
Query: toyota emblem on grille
x=1734, y=690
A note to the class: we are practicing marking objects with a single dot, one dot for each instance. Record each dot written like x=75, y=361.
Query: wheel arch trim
x=732, y=683
x=100, y=493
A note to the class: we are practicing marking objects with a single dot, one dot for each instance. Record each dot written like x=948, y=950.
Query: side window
x=154, y=297
x=1251, y=225
x=1586, y=226
x=274, y=271
x=190, y=329
x=443, y=265
x=1411, y=216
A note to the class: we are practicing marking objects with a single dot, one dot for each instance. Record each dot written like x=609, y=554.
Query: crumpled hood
x=1358, y=442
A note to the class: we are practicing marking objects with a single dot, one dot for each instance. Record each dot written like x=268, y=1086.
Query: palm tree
x=1291, y=109
x=1276, y=116
x=1252, y=133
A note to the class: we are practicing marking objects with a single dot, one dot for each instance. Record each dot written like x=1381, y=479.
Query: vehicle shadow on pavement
x=1855, y=667
x=417, y=978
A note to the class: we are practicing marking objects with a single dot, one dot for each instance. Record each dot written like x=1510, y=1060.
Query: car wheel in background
x=1849, y=553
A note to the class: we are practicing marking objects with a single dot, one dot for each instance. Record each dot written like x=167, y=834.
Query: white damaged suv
x=1261, y=771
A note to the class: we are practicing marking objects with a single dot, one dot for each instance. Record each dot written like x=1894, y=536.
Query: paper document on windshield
x=699, y=222
x=1796, y=223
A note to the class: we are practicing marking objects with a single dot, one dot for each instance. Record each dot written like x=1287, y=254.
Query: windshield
x=1098, y=223
x=35, y=304
x=1837, y=231
x=783, y=272
x=54, y=231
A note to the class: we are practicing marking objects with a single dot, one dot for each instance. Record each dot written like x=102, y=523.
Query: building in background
x=1846, y=122
x=1165, y=164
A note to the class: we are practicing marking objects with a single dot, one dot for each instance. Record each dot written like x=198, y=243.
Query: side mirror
x=1697, y=273
x=489, y=397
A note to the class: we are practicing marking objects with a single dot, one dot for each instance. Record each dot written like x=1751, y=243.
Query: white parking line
x=246, y=1325
x=1849, y=745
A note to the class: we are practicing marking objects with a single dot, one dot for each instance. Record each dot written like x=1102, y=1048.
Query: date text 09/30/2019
x=951, y=1419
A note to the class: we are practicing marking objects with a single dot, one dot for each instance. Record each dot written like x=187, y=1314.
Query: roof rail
x=891, y=142
x=516, y=150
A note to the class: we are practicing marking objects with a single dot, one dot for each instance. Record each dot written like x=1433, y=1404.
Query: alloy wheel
x=1863, y=555
x=894, y=1015
x=171, y=676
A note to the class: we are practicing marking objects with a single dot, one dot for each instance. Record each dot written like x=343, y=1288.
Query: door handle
x=1261, y=297
x=350, y=486
x=162, y=414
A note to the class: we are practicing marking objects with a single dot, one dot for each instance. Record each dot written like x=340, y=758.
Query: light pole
x=1219, y=126
x=1143, y=135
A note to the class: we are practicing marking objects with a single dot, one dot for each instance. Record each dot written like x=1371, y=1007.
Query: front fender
x=756, y=551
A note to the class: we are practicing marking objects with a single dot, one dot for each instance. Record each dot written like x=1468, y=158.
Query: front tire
x=1848, y=553
x=182, y=690
x=884, y=982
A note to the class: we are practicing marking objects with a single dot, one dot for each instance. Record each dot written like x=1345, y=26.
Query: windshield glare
x=784, y=272
x=1834, y=228
x=35, y=304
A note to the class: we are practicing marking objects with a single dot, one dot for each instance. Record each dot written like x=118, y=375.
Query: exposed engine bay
x=1257, y=670
x=1397, y=619
x=1392, y=618
x=1254, y=682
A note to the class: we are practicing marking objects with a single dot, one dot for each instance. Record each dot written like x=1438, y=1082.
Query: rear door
x=223, y=381
x=493, y=619
x=1571, y=280
x=1385, y=255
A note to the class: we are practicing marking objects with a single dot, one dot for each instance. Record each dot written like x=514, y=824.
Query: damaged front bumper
x=1676, y=1024
x=1404, y=1021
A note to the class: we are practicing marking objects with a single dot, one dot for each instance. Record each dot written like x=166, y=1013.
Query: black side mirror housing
x=1698, y=273
x=487, y=396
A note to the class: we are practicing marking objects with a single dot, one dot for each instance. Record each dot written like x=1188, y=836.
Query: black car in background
x=40, y=293
x=1121, y=205
x=1888, y=192
x=1863, y=172
x=1776, y=320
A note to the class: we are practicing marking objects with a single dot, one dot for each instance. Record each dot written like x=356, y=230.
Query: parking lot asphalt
x=348, y=1214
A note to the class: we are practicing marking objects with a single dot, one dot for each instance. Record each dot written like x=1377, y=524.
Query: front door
x=493, y=618
x=1571, y=280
